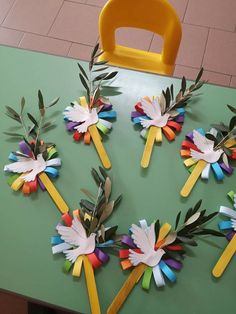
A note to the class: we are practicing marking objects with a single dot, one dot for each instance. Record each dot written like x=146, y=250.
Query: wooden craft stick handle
x=225, y=258
x=55, y=195
x=126, y=289
x=99, y=146
x=91, y=286
x=148, y=147
x=192, y=179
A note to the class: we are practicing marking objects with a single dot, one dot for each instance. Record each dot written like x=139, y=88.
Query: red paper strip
x=94, y=260
x=67, y=219
x=175, y=125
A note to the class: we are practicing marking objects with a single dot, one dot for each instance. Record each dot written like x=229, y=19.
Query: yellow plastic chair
x=157, y=16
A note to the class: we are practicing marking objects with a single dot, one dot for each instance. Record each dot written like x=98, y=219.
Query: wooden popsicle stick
x=97, y=140
x=91, y=286
x=225, y=258
x=192, y=179
x=126, y=289
x=99, y=146
x=55, y=195
x=148, y=147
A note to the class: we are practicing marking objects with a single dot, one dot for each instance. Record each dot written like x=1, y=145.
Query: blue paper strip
x=52, y=172
x=167, y=271
x=12, y=157
x=217, y=171
x=201, y=131
x=225, y=224
x=56, y=240
x=107, y=114
x=181, y=111
x=137, y=119
x=105, y=244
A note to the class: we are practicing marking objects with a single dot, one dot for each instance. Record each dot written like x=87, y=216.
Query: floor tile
x=233, y=82
x=192, y=45
x=10, y=304
x=78, y=1
x=45, y=44
x=10, y=37
x=213, y=13
x=77, y=23
x=5, y=6
x=156, y=44
x=35, y=16
x=211, y=77
x=99, y=3
x=220, y=52
x=180, y=7
x=134, y=38
x=82, y=52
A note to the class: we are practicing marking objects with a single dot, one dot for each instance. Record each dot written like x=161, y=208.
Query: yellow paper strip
x=91, y=286
x=189, y=162
x=159, y=135
x=77, y=267
x=97, y=140
x=231, y=142
x=99, y=146
x=58, y=200
x=126, y=289
x=148, y=146
x=164, y=230
x=17, y=184
x=225, y=258
x=192, y=179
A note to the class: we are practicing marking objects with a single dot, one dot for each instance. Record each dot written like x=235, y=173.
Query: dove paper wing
x=203, y=143
x=153, y=110
x=74, y=235
x=78, y=227
x=77, y=114
x=141, y=239
x=24, y=165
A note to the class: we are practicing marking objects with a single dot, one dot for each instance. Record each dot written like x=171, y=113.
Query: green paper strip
x=231, y=195
x=102, y=128
x=52, y=153
x=67, y=266
x=12, y=178
x=190, y=169
x=147, y=278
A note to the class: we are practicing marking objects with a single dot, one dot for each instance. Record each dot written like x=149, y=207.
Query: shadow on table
x=40, y=309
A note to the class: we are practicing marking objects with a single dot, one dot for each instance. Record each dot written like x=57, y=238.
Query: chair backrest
x=157, y=16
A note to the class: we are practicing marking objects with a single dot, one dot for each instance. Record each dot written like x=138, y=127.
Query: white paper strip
x=206, y=172
x=54, y=162
x=159, y=279
x=228, y=212
x=60, y=248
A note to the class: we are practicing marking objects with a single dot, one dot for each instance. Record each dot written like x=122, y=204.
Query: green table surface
x=27, y=266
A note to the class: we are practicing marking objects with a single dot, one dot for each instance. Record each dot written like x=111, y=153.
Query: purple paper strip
x=135, y=114
x=24, y=148
x=189, y=136
x=174, y=264
x=70, y=126
x=42, y=186
x=230, y=235
x=226, y=169
x=179, y=119
x=106, y=107
x=128, y=241
x=103, y=257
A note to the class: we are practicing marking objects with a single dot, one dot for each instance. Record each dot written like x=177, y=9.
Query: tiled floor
x=69, y=28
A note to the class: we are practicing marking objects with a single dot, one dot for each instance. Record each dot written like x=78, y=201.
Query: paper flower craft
x=36, y=160
x=83, y=238
x=212, y=150
x=229, y=226
x=155, y=250
x=163, y=115
x=86, y=117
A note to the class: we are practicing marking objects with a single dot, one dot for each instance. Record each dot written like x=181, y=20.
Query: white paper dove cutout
x=145, y=240
x=33, y=166
x=82, y=115
x=206, y=146
x=153, y=111
x=76, y=236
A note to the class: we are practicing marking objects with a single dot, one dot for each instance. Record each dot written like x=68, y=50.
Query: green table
x=27, y=266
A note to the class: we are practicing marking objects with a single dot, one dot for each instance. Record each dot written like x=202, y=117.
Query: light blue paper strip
x=107, y=114
x=56, y=240
x=137, y=119
x=201, y=131
x=223, y=225
x=167, y=271
x=217, y=171
x=181, y=111
x=12, y=157
x=105, y=244
x=52, y=172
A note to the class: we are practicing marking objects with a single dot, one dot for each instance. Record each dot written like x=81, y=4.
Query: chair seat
x=136, y=59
